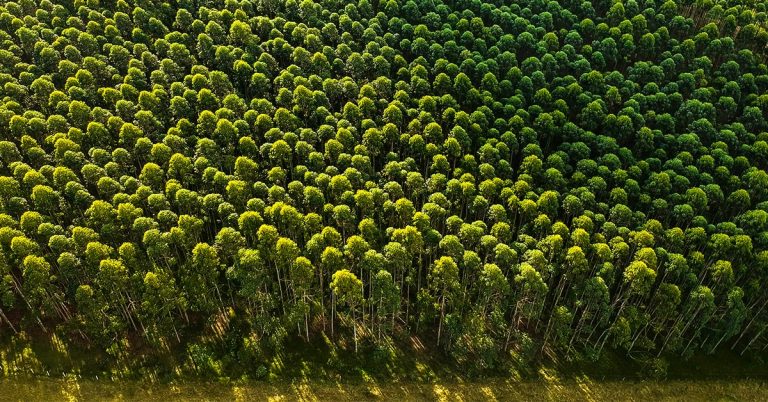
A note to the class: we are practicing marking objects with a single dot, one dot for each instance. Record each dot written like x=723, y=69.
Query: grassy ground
x=39, y=369
x=723, y=377
x=549, y=389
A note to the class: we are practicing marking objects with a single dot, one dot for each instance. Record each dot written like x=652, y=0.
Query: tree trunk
x=354, y=328
x=442, y=317
x=5, y=318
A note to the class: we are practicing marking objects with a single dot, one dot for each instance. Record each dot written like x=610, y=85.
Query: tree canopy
x=570, y=175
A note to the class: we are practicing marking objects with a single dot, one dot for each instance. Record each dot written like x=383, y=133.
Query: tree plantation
x=500, y=181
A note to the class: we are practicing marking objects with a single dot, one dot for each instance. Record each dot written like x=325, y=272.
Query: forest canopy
x=498, y=178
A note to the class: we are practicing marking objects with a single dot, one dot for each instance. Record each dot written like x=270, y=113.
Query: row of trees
x=579, y=176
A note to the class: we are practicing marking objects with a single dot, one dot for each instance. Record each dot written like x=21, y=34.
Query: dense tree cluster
x=495, y=176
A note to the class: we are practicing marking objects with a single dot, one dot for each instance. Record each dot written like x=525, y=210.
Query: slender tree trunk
x=756, y=337
x=322, y=297
x=442, y=317
x=722, y=338
x=749, y=325
x=5, y=318
x=682, y=332
x=354, y=328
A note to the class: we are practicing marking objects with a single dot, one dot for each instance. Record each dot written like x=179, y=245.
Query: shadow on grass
x=40, y=368
x=25, y=389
